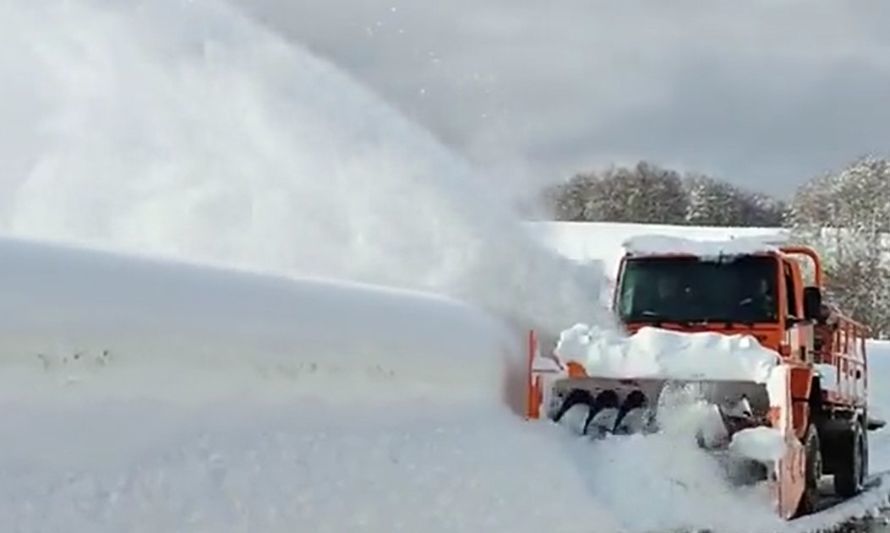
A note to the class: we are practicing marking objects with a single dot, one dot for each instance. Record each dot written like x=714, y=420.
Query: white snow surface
x=662, y=244
x=762, y=444
x=130, y=324
x=658, y=353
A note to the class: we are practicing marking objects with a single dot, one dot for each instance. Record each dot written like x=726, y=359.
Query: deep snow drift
x=134, y=325
x=153, y=396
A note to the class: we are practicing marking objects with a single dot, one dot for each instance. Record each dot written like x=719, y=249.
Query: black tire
x=809, y=501
x=852, y=469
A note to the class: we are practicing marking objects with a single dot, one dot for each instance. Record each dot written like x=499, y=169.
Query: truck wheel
x=849, y=478
x=809, y=501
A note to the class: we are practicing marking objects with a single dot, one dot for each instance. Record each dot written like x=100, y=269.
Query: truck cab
x=761, y=294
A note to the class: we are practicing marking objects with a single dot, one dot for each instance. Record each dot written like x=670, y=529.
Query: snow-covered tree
x=761, y=210
x=712, y=202
x=644, y=193
x=847, y=216
x=647, y=193
x=567, y=201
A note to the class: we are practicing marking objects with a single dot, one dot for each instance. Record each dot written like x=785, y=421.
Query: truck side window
x=790, y=290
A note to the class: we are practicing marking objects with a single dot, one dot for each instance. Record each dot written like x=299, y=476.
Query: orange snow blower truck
x=821, y=407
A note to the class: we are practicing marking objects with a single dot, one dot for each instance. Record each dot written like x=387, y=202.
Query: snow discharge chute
x=777, y=377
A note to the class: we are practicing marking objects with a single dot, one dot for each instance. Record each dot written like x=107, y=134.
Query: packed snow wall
x=91, y=324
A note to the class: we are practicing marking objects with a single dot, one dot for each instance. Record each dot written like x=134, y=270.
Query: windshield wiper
x=659, y=319
x=729, y=322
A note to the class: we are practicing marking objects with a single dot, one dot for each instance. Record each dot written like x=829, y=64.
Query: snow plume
x=185, y=129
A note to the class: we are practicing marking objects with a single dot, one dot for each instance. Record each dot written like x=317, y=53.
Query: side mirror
x=812, y=303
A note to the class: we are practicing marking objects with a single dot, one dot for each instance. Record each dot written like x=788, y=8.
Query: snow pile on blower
x=660, y=353
x=654, y=370
x=684, y=358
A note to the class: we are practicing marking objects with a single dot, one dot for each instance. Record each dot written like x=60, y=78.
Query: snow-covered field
x=321, y=329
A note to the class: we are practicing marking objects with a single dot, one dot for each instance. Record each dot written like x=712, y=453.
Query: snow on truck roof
x=666, y=245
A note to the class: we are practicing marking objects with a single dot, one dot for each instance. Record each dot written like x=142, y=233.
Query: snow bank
x=658, y=353
x=129, y=325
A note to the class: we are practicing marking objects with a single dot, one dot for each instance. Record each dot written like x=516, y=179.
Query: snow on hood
x=662, y=244
x=658, y=353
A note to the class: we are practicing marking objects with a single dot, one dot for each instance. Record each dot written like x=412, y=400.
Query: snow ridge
x=663, y=245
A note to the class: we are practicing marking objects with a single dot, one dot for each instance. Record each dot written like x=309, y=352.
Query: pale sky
x=764, y=93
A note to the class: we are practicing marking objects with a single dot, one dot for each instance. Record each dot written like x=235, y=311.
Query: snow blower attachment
x=810, y=399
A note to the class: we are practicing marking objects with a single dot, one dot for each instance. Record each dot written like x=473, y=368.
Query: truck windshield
x=687, y=289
